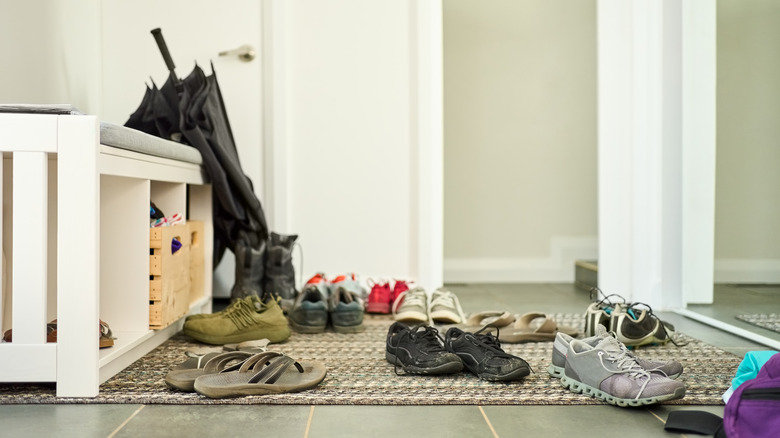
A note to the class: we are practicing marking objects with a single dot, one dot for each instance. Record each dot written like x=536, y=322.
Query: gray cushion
x=141, y=142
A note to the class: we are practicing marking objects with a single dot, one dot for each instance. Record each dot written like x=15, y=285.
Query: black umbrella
x=192, y=111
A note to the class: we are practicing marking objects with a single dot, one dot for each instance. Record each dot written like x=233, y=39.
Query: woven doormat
x=358, y=374
x=769, y=321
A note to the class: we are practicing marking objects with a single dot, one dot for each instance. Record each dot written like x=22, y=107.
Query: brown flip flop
x=263, y=373
x=533, y=327
x=183, y=377
x=106, y=337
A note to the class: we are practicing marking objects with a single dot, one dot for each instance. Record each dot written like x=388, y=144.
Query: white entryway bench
x=75, y=239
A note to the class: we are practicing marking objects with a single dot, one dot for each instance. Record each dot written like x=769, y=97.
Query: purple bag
x=754, y=408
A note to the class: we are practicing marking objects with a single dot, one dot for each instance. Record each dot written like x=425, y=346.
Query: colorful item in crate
x=176, y=219
x=154, y=212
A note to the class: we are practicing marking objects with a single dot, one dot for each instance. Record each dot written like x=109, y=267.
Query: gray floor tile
x=398, y=421
x=63, y=421
x=216, y=421
x=573, y=421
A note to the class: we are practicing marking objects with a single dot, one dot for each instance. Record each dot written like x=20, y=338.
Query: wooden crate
x=197, y=260
x=169, y=275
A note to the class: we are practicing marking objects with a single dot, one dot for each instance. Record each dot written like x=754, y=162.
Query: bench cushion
x=133, y=140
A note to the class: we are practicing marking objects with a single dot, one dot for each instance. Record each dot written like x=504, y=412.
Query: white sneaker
x=445, y=307
x=411, y=306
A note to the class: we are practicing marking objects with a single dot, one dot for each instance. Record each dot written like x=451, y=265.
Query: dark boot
x=249, y=271
x=279, y=277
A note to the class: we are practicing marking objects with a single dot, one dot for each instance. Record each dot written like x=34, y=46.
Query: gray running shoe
x=445, y=307
x=606, y=371
x=309, y=313
x=346, y=307
x=411, y=306
x=670, y=368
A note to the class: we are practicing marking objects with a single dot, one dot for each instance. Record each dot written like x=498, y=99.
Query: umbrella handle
x=157, y=33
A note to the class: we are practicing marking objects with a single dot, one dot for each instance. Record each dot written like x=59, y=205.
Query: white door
x=196, y=31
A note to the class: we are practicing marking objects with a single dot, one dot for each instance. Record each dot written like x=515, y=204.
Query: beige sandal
x=533, y=327
x=263, y=373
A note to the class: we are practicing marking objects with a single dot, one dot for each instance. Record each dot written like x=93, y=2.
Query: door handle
x=245, y=53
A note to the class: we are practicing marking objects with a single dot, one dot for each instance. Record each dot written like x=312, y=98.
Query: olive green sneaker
x=245, y=320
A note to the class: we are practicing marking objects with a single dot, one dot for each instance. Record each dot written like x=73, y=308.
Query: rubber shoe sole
x=455, y=366
x=514, y=375
x=581, y=388
x=274, y=335
x=303, y=328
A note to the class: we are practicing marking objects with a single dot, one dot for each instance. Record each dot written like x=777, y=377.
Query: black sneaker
x=481, y=354
x=419, y=350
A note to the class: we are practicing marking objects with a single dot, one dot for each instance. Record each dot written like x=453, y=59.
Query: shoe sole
x=349, y=328
x=445, y=317
x=554, y=371
x=447, y=368
x=514, y=375
x=383, y=308
x=302, y=328
x=581, y=388
x=557, y=372
x=273, y=335
x=411, y=316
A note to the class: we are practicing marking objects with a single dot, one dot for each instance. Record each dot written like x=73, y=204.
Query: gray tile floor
x=380, y=421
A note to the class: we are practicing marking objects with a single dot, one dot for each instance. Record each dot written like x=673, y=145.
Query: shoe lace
x=426, y=338
x=490, y=341
x=413, y=297
x=626, y=364
x=608, y=301
x=447, y=299
x=241, y=314
x=636, y=304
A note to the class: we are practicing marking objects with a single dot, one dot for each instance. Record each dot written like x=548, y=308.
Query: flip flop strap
x=219, y=362
x=275, y=369
x=548, y=326
x=258, y=360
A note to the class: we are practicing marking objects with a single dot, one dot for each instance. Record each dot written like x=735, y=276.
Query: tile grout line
x=308, y=423
x=490, y=425
x=656, y=416
x=126, y=421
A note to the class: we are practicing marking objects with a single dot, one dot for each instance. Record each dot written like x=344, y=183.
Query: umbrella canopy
x=192, y=111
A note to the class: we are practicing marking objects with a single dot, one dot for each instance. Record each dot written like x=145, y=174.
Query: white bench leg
x=78, y=251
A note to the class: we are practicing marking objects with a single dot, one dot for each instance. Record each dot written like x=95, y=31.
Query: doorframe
x=657, y=150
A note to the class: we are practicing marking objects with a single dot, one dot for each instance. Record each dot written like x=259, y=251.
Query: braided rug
x=358, y=374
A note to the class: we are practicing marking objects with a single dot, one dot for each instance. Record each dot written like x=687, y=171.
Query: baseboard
x=747, y=271
x=557, y=268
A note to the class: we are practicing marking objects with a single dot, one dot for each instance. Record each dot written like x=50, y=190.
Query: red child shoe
x=399, y=287
x=380, y=298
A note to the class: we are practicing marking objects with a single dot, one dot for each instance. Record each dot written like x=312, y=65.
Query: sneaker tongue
x=257, y=303
x=601, y=331
x=609, y=344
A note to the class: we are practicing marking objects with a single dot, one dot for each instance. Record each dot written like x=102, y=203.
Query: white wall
x=37, y=38
x=520, y=139
x=747, y=209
